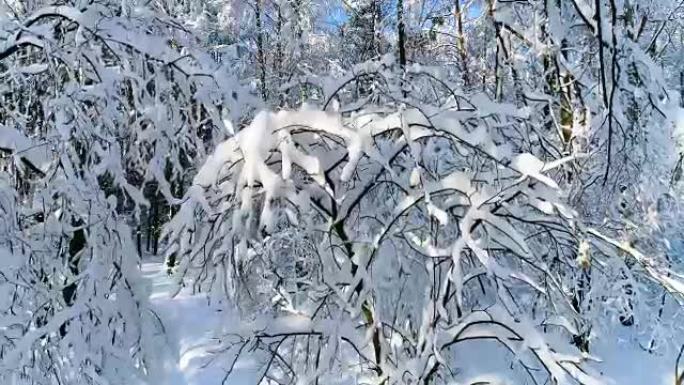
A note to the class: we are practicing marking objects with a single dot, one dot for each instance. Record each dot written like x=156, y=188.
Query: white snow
x=193, y=322
x=530, y=166
x=22, y=147
x=678, y=120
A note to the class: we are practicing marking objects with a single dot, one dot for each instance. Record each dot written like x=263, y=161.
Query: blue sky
x=337, y=15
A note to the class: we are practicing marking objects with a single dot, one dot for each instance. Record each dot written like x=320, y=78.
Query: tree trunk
x=261, y=58
x=401, y=34
x=76, y=246
x=460, y=37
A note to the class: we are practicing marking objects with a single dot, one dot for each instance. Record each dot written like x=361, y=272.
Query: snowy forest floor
x=191, y=321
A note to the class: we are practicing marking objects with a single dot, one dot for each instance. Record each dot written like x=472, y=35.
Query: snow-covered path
x=192, y=321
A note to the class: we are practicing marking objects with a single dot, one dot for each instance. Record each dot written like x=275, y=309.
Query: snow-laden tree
x=600, y=75
x=99, y=101
x=519, y=188
x=369, y=244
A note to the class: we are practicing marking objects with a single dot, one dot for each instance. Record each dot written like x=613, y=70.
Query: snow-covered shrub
x=420, y=226
x=97, y=101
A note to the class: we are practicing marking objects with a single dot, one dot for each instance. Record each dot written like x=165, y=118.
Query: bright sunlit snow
x=341, y=192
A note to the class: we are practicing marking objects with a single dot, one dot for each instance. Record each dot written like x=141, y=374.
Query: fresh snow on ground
x=192, y=321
